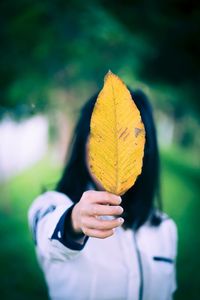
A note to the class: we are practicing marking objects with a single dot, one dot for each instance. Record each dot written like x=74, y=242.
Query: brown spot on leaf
x=123, y=132
x=137, y=131
x=126, y=136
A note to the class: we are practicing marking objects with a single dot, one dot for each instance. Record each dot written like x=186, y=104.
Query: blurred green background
x=53, y=56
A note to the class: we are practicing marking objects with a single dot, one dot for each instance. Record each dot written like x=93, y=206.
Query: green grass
x=21, y=277
x=181, y=191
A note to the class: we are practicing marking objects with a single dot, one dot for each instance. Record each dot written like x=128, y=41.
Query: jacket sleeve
x=49, y=219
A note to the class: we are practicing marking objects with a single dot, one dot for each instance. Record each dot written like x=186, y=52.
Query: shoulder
x=49, y=200
x=167, y=224
x=161, y=238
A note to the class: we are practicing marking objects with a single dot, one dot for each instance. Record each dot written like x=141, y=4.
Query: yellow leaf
x=117, y=137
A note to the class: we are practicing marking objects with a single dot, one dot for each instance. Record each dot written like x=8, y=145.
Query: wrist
x=76, y=228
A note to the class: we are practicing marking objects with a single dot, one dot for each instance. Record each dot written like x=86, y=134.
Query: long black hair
x=139, y=202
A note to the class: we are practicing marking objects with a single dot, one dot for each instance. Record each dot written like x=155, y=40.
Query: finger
x=101, y=234
x=93, y=223
x=103, y=197
x=104, y=210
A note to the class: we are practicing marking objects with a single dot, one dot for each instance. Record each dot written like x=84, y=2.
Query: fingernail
x=120, y=199
x=121, y=220
x=121, y=209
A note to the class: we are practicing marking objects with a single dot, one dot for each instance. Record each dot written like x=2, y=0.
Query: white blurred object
x=21, y=144
x=165, y=128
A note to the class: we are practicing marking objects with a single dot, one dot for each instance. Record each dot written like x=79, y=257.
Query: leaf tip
x=108, y=74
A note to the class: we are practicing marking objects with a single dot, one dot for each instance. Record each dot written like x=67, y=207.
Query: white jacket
x=125, y=266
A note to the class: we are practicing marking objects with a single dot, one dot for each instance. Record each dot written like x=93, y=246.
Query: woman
x=88, y=249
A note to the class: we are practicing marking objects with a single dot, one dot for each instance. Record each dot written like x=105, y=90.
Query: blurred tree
x=172, y=28
x=70, y=45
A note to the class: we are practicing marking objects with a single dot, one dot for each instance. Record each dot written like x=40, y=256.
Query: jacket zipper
x=139, y=258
